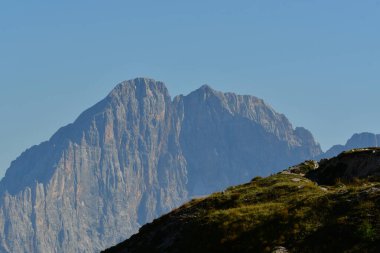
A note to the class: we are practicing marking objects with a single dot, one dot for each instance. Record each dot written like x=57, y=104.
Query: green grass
x=287, y=210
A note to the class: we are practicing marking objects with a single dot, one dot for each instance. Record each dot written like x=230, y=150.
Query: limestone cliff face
x=133, y=156
x=97, y=180
x=227, y=139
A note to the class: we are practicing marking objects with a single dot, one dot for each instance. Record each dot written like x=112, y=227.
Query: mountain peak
x=206, y=89
x=363, y=139
x=133, y=156
x=140, y=86
x=138, y=81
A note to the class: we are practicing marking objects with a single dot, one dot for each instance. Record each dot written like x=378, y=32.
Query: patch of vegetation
x=361, y=150
x=286, y=209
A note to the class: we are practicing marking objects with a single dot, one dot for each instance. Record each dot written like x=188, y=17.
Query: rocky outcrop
x=347, y=167
x=135, y=155
x=97, y=180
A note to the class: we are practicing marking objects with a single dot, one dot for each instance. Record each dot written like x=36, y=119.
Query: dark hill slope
x=284, y=210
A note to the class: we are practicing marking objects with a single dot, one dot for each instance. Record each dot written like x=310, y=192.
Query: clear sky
x=316, y=61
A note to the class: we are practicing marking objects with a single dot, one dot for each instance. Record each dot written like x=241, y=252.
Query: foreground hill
x=134, y=156
x=331, y=206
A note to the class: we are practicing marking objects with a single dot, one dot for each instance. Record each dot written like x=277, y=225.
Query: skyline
x=58, y=59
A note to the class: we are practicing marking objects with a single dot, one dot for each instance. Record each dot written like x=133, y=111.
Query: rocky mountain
x=134, y=156
x=331, y=206
x=361, y=140
x=226, y=139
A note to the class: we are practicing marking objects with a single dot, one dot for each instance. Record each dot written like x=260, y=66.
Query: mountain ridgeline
x=136, y=155
x=361, y=140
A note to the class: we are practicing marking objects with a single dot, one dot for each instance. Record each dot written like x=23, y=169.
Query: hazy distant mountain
x=361, y=140
x=135, y=155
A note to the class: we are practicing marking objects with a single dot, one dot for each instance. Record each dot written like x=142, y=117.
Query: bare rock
x=136, y=155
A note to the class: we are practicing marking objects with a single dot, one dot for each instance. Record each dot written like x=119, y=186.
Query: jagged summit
x=205, y=92
x=206, y=88
x=138, y=81
x=140, y=86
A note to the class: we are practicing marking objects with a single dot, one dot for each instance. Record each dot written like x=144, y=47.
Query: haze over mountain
x=361, y=140
x=134, y=156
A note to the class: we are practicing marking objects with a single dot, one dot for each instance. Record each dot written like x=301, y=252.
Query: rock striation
x=136, y=155
x=227, y=139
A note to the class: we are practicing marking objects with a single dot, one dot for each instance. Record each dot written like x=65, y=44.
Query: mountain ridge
x=135, y=155
x=357, y=140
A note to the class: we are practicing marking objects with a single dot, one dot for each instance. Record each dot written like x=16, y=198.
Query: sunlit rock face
x=136, y=155
x=227, y=139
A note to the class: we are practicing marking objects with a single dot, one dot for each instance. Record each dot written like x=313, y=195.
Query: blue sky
x=316, y=61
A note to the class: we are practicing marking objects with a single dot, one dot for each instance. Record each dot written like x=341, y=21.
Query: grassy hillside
x=286, y=209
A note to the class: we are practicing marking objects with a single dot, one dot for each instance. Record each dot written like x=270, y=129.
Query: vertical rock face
x=133, y=156
x=228, y=139
x=97, y=180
